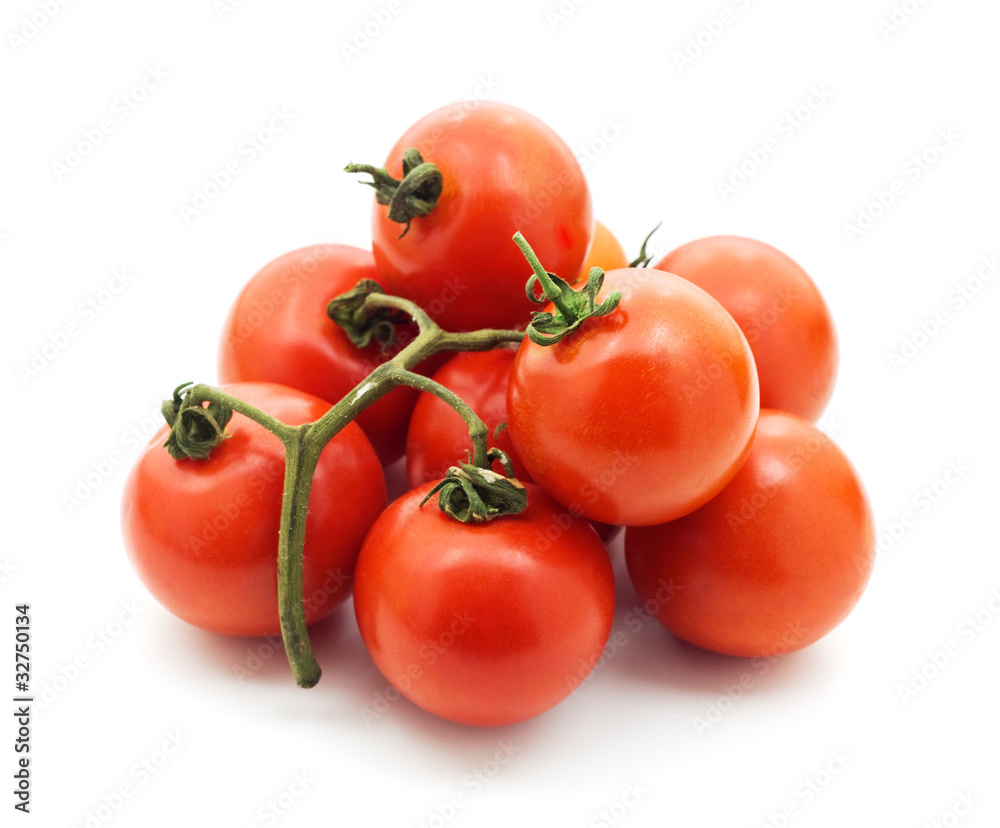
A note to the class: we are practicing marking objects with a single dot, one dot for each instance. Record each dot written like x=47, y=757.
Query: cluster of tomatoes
x=680, y=405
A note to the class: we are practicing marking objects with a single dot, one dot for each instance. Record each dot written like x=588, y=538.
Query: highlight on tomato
x=776, y=560
x=203, y=534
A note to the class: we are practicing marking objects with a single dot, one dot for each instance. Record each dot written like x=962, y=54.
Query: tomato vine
x=364, y=312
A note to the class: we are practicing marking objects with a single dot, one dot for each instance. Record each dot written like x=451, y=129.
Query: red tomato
x=605, y=252
x=485, y=624
x=642, y=415
x=438, y=436
x=278, y=331
x=778, y=308
x=504, y=170
x=203, y=534
x=776, y=560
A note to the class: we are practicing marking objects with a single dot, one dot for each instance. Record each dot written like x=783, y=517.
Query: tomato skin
x=504, y=170
x=772, y=563
x=438, y=436
x=484, y=624
x=605, y=252
x=278, y=331
x=203, y=534
x=640, y=416
x=778, y=308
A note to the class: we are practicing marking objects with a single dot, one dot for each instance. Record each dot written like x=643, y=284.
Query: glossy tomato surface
x=203, y=534
x=640, y=416
x=484, y=624
x=778, y=308
x=438, y=436
x=776, y=560
x=278, y=331
x=504, y=170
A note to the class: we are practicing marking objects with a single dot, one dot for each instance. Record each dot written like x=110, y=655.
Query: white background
x=845, y=732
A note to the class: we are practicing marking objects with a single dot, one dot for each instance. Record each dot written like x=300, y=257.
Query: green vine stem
x=301, y=459
x=304, y=444
x=478, y=432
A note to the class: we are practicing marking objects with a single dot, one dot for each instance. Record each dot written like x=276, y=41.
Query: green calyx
x=471, y=494
x=360, y=322
x=548, y=328
x=195, y=429
x=573, y=307
x=413, y=196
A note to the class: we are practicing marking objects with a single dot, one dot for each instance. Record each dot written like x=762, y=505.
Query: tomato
x=203, y=534
x=605, y=252
x=483, y=624
x=503, y=171
x=642, y=415
x=438, y=436
x=278, y=331
x=778, y=308
x=776, y=560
